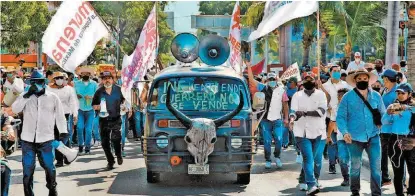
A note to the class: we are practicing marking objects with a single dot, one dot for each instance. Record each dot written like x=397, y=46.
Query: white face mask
x=108, y=86
x=59, y=82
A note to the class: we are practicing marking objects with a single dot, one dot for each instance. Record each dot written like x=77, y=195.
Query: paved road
x=88, y=177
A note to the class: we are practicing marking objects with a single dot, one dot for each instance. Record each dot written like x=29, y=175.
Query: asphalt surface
x=87, y=176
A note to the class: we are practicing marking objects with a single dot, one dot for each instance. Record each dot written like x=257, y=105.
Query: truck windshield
x=199, y=94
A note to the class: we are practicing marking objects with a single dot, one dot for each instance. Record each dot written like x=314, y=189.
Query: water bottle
x=103, y=112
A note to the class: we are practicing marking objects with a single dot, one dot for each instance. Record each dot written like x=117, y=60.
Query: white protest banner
x=276, y=13
x=292, y=71
x=144, y=55
x=235, y=59
x=72, y=34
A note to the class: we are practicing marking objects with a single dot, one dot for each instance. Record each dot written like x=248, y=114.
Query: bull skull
x=201, y=132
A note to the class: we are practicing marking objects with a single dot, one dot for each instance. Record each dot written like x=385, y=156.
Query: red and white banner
x=144, y=56
x=292, y=71
x=72, y=34
x=235, y=59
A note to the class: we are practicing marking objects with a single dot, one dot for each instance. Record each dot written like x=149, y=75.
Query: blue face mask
x=336, y=75
x=39, y=87
x=272, y=84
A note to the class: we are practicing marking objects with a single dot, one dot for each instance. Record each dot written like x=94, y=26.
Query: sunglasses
x=59, y=78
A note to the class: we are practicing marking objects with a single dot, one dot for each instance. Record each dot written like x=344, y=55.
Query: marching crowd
x=84, y=111
x=336, y=115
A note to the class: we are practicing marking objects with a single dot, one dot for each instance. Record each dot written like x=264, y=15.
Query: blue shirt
x=85, y=90
x=113, y=101
x=388, y=98
x=355, y=118
x=398, y=123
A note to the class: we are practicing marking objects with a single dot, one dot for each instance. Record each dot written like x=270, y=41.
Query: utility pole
x=392, y=34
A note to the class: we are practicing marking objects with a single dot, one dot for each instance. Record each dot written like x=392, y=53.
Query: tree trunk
x=306, y=45
x=392, y=34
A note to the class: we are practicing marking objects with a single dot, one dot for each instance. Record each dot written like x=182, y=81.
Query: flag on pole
x=292, y=71
x=72, y=34
x=276, y=13
x=235, y=59
x=143, y=58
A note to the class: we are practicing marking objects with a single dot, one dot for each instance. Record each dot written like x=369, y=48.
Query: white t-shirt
x=332, y=89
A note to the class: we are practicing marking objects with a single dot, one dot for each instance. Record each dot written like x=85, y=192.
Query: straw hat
x=350, y=79
x=57, y=74
x=86, y=69
x=10, y=69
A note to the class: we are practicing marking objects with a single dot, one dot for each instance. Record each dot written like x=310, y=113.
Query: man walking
x=110, y=97
x=85, y=89
x=41, y=109
x=359, y=120
x=356, y=64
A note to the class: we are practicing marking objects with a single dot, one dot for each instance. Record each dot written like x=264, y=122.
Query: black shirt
x=113, y=101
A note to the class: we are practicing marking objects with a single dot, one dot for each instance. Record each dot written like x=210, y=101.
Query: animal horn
x=186, y=121
x=222, y=120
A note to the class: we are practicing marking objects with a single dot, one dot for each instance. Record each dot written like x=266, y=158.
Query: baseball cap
x=404, y=87
x=106, y=74
x=357, y=54
x=390, y=73
x=308, y=74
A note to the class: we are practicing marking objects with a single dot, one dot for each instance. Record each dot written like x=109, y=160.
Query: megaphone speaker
x=185, y=47
x=214, y=50
x=70, y=154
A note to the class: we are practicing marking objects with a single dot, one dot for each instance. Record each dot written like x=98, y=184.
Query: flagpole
x=318, y=41
x=157, y=40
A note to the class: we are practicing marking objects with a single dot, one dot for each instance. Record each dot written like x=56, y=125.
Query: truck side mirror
x=259, y=101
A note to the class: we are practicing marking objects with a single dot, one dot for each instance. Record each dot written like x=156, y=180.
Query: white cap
x=357, y=54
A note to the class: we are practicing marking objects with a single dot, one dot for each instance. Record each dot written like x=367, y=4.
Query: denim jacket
x=388, y=98
x=355, y=118
x=399, y=123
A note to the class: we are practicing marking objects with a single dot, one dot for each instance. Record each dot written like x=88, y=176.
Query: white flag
x=276, y=13
x=144, y=56
x=235, y=59
x=292, y=71
x=72, y=34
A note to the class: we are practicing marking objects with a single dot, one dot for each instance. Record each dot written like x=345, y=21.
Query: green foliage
x=254, y=14
x=221, y=7
x=22, y=21
x=133, y=15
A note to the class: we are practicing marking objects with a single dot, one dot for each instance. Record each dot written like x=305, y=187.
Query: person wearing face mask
x=388, y=96
x=85, y=89
x=110, y=126
x=71, y=122
x=399, y=117
x=12, y=84
x=377, y=86
x=38, y=133
x=276, y=114
x=69, y=102
x=308, y=114
x=356, y=64
x=359, y=120
x=331, y=87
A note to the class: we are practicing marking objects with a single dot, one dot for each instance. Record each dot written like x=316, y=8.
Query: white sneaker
x=278, y=162
x=299, y=159
x=92, y=142
x=303, y=187
x=268, y=165
x=314, y=190
x=98, y=143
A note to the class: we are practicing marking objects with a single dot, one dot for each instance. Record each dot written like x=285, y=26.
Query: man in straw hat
x=110, y=125
x=42, y=110
x=13, y=83
x=69, y=103
x=309, y=113
x=85, y=89
x=359, y=120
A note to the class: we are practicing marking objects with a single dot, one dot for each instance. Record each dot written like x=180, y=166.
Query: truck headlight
x=236, y=142
x=162, y=141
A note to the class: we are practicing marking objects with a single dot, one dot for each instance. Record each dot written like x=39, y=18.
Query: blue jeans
x=137, y=119
x=46, y=155
x=318, y=162
x=332, y=149
x=285, y=136
x=372, y=148
x=344, y=158
x=85, y=122
x=70, y=129
x=95, y=129
x=272, y=129
x=6, y=174
x=124, y=129
x=309, y=149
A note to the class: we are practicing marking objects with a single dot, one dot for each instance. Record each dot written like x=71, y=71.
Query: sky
x=182, y=13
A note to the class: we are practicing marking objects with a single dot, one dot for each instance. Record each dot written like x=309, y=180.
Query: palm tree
x=307, y=26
